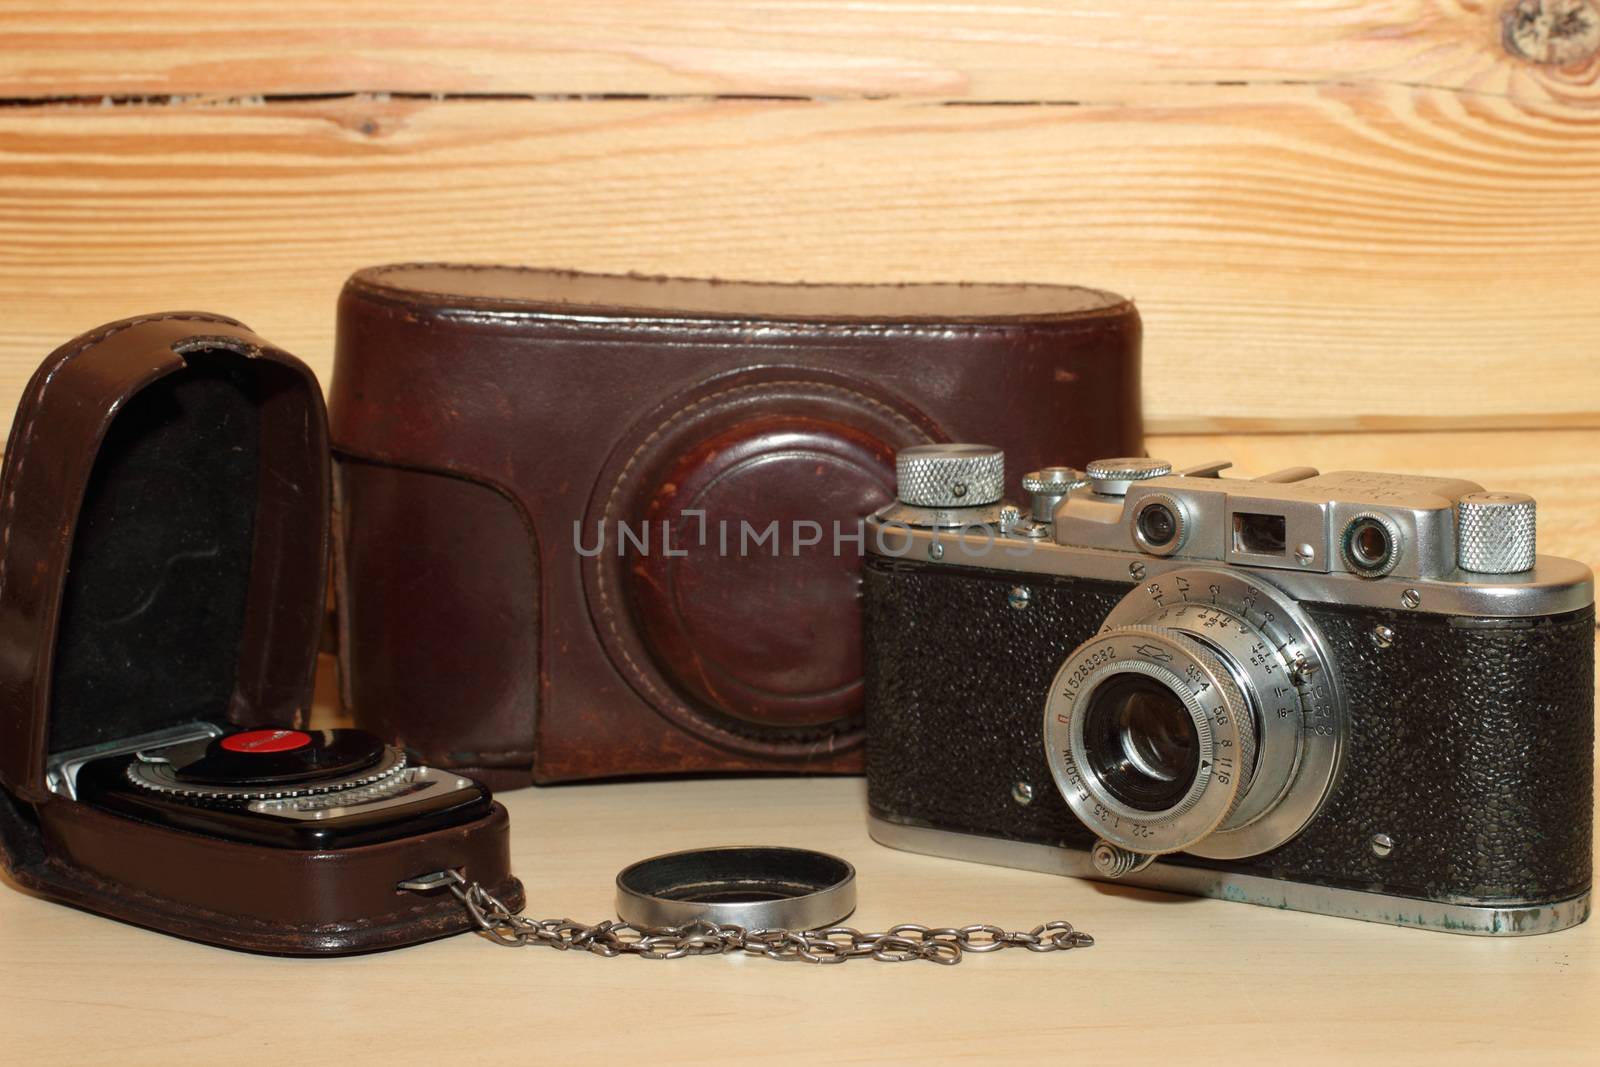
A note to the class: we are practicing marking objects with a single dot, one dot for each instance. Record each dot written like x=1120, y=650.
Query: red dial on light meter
x=250, y=741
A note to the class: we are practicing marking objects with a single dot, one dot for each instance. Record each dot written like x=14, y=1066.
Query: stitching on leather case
x=785, y=326
x=36, y=404
x=611, y=512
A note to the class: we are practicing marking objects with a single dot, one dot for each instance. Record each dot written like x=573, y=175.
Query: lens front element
x=1143, y=744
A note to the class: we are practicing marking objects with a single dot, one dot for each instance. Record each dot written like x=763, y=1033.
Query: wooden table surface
x=1169, y=979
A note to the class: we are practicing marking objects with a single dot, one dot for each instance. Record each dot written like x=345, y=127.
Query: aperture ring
x=1233, y=697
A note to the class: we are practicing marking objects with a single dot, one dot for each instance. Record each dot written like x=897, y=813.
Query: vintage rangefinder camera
x=1354, y=693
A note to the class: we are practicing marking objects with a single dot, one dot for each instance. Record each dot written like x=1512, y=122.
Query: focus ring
x=1272, y=649
x=1098, y=756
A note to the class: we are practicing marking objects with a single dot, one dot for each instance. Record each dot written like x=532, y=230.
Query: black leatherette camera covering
x=1471, y=741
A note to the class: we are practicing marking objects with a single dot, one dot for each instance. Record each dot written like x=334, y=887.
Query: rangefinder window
x=1259, y=535
x=1369, y=546
x=1157, y=525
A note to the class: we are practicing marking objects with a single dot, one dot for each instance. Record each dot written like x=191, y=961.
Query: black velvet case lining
x=154, y=604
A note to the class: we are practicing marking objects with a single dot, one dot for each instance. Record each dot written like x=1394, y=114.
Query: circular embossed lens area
x=746, y=613
x=263, y=741
x=726, y=592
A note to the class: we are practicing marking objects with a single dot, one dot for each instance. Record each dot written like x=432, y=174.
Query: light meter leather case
x=164, y=533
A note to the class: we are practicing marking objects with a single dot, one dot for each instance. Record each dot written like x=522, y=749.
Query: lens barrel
x=1204, y=717
x=1158, y=739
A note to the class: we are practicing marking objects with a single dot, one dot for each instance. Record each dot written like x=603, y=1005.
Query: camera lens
x=1157, y=525
x=1141, y=742
x=1173, y=728
x=1150, y=738
x=1369, y=546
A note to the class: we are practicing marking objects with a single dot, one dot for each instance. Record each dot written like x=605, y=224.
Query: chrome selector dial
x=950, y=475
x=1049, y=487
x=1496, y=533
x=1111, y=477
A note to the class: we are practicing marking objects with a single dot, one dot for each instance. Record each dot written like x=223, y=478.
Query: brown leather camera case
x=163, y=558
x=545, y=481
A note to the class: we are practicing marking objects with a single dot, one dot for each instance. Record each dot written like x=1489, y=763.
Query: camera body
x=1357, y=694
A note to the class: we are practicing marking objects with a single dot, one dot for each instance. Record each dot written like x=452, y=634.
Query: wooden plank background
x=1337, y=216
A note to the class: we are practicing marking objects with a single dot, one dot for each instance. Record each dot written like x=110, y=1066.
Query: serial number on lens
x=1100, y=656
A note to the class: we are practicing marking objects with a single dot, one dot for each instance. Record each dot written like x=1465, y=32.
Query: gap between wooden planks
x=1067, y=51
x=1305, y=257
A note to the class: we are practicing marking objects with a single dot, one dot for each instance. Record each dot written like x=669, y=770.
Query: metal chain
x=836, y=944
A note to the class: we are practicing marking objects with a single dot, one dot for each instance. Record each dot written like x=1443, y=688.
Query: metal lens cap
x=758, y=888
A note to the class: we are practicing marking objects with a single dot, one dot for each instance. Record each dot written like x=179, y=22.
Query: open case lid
x=163, y=540
x=163, y=559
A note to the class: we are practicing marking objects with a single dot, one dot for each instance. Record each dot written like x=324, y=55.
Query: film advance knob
x=950, y=476
x=1496, y=533
x=1111, y=477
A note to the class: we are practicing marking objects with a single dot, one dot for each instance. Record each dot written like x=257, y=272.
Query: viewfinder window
x=1259, y=535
